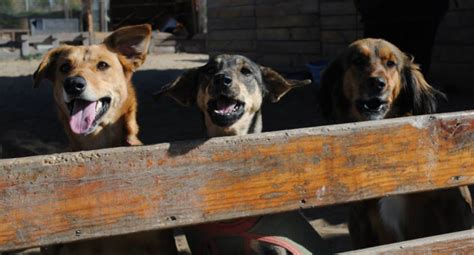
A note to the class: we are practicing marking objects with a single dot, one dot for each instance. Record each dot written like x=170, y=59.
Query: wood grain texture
x=73, y=196
x=454, y=243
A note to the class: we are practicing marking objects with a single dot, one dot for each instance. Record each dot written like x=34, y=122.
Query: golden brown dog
x=370, y=80
x=97, y=105
x=92, y=88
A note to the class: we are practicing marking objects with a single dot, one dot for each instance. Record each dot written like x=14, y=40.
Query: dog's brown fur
x=373, y=79
x=346, y=81
x=123, y=51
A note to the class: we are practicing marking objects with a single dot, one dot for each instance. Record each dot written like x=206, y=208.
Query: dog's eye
x=391, y=63
x=65, y=68
x=102, y=65
x=245, y=71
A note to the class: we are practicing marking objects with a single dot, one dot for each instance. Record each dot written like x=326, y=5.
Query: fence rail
x=461, y=242
x=73, y=196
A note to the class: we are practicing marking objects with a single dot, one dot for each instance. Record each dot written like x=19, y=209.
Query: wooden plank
x=53, y=39
x=72, y=196
x=454, y=243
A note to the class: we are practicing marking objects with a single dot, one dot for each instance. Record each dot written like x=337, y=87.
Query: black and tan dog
x=229, y=91
x=371, y=80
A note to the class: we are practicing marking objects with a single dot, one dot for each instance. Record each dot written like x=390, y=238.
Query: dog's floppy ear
x=132, y=43
x=278, y=86
x=417, y=96
x=331, y=89
x=184, y=89
x=46, y=68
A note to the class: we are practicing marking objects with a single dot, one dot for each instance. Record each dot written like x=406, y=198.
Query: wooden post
x=66, y=9
x=103, y=16
x=194, y=17
x=87, y=5
x=25, y=46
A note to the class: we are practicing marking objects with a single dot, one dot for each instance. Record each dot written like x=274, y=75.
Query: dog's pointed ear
x=132, y=43
x=277, y=85
x=330, y=89
x=419, y=97
x=46, y=68
x=183, y=90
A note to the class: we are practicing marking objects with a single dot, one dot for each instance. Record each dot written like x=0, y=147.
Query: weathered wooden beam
x=454, y=243
x=72, y=196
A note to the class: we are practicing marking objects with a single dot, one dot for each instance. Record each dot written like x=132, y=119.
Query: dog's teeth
x=98, y=106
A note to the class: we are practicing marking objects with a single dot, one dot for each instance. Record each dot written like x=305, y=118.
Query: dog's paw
x=133, y=141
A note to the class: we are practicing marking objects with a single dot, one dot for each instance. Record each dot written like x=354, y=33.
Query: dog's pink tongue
x=82, y=117
x=225, y=106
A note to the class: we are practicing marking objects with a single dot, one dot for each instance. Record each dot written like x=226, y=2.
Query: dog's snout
x=223, y=79
x=75, y=85
x=377, y=83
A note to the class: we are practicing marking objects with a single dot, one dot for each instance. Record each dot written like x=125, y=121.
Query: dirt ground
x=29, y=125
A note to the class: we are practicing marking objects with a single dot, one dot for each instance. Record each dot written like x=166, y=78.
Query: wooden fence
x=73, y=196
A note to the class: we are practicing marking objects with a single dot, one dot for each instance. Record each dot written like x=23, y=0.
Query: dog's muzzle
x=225, y=111
x=373, y=109
x=84, y=113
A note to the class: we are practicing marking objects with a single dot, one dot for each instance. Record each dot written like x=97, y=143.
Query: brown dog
x=92, y=88
x=97, y=105
x=370, y=80
x=229, y=91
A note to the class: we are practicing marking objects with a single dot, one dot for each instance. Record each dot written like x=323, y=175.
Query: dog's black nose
x=378, y=83
x=223, y=79
x=75, y=85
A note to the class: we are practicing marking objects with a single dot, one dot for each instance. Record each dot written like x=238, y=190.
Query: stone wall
x=279, y=33
x=288, y=34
